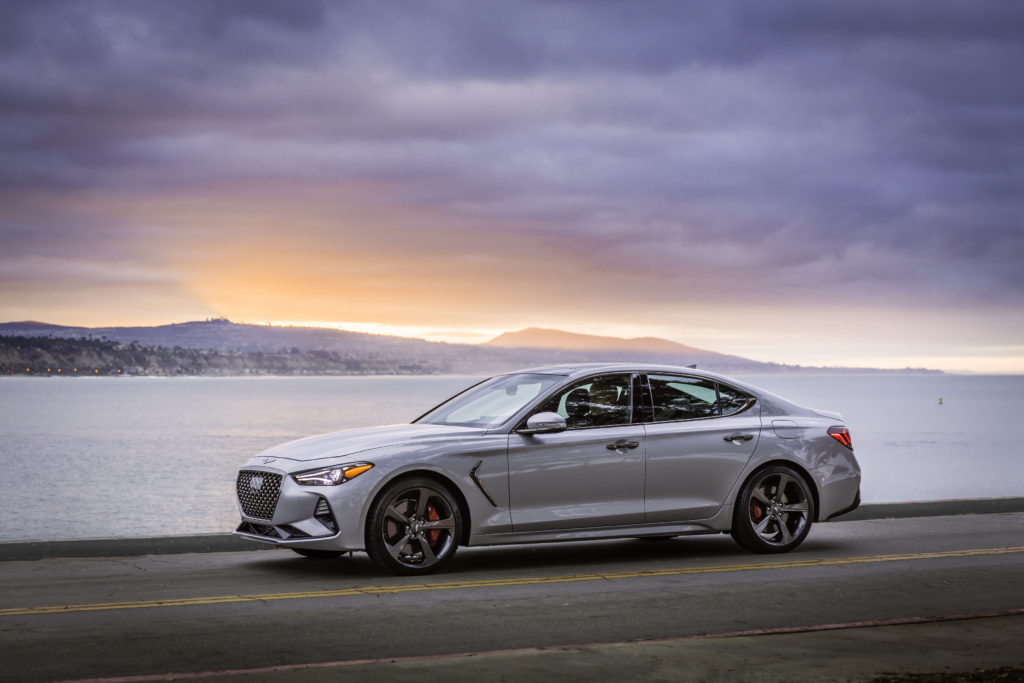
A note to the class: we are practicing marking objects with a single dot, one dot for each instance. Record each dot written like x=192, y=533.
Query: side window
x=602, y=401
x=691, y=398
x=682, y=398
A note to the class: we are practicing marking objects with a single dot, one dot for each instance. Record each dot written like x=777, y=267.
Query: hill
x=223, y=347
x=544, y=338
x=78, y=357
x=653, y=348
x=223, y=335
x=247, y=349
x=509, y=351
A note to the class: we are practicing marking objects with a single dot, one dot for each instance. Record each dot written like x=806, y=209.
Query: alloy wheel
x=415, y=528
x=774, y=512
x=778, y=509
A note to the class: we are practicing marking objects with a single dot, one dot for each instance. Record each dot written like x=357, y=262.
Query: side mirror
x=544, y=423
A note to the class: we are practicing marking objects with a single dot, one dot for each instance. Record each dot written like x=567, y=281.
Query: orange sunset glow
x=799, y=196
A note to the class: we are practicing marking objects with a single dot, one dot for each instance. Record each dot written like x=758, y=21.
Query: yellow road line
x=494, y=583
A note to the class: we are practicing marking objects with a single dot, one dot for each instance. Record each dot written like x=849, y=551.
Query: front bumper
x=313, y=517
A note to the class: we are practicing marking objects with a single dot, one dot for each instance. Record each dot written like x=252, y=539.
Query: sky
x=824, y=183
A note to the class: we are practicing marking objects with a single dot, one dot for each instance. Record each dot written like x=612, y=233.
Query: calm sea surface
x=140, y=456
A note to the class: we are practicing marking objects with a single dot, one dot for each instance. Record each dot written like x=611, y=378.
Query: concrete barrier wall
x=934, y=508
x=119, y=547
x=226, y=543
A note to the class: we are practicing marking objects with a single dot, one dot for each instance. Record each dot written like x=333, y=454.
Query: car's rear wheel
x=414, y=527
x=319, y=554
x=774, y=511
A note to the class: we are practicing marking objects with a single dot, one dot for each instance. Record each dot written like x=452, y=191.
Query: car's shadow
x=577, y=558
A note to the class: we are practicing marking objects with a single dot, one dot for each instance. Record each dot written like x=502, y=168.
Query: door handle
x=622, y=443
x=733, y=438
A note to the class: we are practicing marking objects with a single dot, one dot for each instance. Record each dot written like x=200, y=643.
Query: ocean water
x=140, y=456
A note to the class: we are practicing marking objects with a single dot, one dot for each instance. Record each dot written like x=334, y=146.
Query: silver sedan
x=559, y=453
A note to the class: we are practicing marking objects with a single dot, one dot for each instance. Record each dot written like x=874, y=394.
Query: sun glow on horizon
x=436, y=334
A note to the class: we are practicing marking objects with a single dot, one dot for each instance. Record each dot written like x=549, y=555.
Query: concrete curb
x=229, y=543
x=122, y=547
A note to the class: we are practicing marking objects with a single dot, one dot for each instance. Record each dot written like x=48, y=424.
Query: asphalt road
x=213, y=612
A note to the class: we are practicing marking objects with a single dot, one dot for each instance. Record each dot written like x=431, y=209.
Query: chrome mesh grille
x=258, y=493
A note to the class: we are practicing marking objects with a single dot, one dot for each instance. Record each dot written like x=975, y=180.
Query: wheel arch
x=796, y=467
x=460, y=498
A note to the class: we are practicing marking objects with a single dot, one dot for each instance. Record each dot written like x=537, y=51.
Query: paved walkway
x=844, y=654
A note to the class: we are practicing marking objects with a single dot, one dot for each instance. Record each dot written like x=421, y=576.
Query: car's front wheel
x=774, y=511
x=414, y=527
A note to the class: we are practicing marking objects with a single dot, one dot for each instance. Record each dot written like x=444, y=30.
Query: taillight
x=842, y=435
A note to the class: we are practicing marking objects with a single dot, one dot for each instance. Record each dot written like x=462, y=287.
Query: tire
x=414, y=527
x=774, y=511
x=318, y=554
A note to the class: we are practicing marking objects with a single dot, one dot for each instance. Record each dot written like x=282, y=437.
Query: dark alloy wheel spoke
x=395, y=549
x=787, y=537
x=448, y=523
x=428, y=554
x=394, y=514
x=421, y=506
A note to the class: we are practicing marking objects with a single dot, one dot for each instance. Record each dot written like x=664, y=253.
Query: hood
x=352, y=441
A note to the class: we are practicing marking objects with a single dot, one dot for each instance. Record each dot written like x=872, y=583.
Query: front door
x=590, y=475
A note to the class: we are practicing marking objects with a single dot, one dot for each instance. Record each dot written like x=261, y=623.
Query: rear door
x=700, y=436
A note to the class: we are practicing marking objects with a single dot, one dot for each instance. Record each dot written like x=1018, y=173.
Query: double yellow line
x=494, y=583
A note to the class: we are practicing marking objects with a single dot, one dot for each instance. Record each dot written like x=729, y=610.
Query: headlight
x=331, y=476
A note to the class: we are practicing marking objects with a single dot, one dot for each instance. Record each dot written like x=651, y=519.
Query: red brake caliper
x=433, y=517
x=756, y=511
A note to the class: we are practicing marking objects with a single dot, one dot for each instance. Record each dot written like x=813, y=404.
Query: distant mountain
x=223, y=335
x=77, y=357
x=532, y=346
x=379, y=351
x=263, y=349
x=543, y=338
x=614, y=347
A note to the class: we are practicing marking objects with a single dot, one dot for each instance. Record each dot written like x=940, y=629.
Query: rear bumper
x=851, y=508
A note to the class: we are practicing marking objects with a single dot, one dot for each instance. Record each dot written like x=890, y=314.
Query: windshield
x=491, y=402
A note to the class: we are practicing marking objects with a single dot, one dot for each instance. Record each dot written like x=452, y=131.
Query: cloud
x=721, y=153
